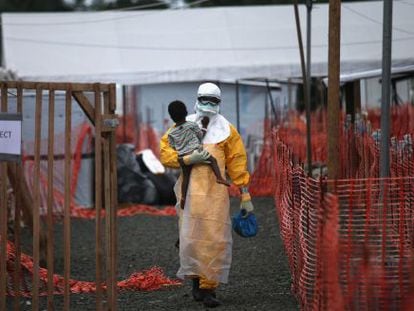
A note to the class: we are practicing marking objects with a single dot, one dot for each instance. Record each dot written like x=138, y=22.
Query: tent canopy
x=223, y=43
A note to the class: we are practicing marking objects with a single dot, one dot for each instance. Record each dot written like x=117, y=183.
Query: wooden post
x=18, y=193
x=36, y=199
x=333, y=88
x=50, y=153
x=110, y=200
x=114, y=201
x=98, y=195
x=3, y=234
x=3, y=215
x=66, y=204
x=107, y=204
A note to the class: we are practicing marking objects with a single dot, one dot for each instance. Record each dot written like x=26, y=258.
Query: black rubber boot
x=198, y=294
x=210, y=300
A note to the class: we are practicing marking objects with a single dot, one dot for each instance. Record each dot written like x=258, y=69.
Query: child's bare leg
x=186, y=169
x=220, y=179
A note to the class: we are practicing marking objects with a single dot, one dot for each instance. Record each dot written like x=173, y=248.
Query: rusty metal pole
x=333, y=88
x=238, y=105
x=305, y=89
x=308, y=83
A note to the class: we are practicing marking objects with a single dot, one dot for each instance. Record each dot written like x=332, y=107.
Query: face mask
x=207, y=108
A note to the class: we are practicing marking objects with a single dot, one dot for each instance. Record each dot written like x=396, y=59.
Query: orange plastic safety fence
x=144, y=136
x=376, y=240
x=261, y=183
x=140, y=134
x=352, y=248
x=359, y=143
x=126, y=132
x=147, y=280
x=82, y=140
x=401, y=121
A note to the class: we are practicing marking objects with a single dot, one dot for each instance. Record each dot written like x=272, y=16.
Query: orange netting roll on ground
x=147, y=280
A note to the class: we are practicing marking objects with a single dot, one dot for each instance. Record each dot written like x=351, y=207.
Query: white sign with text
x=10, y=137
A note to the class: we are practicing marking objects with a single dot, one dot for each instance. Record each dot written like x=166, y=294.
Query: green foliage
x=256, y=2
x=98, y=5
x=33, y=6
x=121, y=4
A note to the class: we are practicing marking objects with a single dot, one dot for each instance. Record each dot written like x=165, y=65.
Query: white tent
x=225, y=43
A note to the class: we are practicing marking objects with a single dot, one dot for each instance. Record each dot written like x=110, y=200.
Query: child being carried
x=186, y=137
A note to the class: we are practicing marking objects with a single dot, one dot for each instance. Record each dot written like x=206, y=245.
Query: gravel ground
x=259, y=278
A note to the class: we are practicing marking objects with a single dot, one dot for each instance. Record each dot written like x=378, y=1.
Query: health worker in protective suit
x=205, y=231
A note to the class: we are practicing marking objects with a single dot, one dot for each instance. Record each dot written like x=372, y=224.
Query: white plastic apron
x=205, y=224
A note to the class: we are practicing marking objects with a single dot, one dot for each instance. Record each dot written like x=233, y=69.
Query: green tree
x=33, y=6
x=98, y=5
x=120, y=4
x=211, y=3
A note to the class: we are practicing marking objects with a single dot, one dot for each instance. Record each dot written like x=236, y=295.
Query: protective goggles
x=208, y=100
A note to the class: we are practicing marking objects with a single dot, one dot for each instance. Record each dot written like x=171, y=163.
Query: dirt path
x=259, y=278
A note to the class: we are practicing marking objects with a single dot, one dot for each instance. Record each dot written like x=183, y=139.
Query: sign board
x=10, y=136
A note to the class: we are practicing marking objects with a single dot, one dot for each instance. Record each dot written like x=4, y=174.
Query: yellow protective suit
x=205, y=224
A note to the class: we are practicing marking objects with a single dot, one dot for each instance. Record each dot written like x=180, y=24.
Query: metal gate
x=97, y=101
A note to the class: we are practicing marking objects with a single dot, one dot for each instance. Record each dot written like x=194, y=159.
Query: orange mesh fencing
x=349, y=242
x=376, y=240
x=401, y=122
x=81, y=142
x=142, y=135
x=359, y=142
x=262, y=179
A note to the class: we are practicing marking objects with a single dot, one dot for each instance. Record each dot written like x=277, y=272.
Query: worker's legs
x=204, y=290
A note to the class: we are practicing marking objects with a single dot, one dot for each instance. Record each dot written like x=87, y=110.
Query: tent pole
x=385, y=88
x=305, y=88
x=124, y=112
x=308, y=83
x=385, y=117
x=333, y=87
x=269, y=93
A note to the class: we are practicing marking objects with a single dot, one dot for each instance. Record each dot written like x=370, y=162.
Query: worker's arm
x=168, y=156
x=236, y=159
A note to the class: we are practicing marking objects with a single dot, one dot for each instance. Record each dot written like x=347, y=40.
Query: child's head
x=177, y=111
